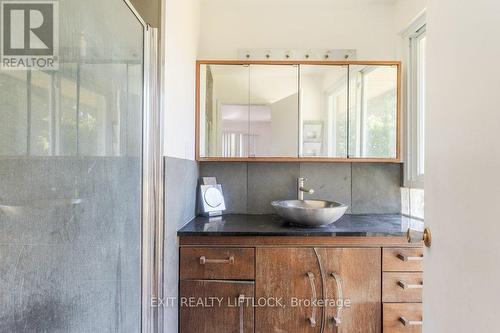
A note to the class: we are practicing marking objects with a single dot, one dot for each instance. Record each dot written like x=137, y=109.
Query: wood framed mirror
x=309, y=111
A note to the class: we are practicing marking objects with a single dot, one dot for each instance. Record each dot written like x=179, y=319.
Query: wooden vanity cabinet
x=216, y=289
x=288, y=274
x=332, y=275
x=354, y=275
x=294, y=285
x=209, y=306
x=402, y=285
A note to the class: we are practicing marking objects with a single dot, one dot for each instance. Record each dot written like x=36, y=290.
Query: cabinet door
x=287, y=274
x=354, y=275
x=223, y=111
x=274, y=111
x=323, y=111
x=216, y=306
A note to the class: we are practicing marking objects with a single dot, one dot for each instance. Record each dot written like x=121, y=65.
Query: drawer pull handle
x=340, y=296
x=312, y=319
x=241, y=300
x=204, y=260
x=405, y=285
x=407, y=322
x=404, y=258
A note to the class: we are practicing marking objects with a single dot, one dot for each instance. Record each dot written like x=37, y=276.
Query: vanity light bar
x=297, y=54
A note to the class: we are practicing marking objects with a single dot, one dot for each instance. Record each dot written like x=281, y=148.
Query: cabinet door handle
x=337, y=319
x=407, y=322
x=405, y=285
x=204, y=260
x=241, y=300
x=312, y=319
x=405, y=258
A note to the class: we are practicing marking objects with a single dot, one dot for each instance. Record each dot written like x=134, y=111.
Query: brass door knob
x=417, y=236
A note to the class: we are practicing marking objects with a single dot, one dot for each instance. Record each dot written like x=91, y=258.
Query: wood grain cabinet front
x=354, y=276
x=402, y=287
x=402, y=318
x=323, y=290
x=403, y=259
x=208, y=306
x=299, y=288
x=292, y=276
x=217, y=263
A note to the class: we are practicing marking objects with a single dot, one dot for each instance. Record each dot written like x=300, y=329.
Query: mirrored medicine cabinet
x=298, y=111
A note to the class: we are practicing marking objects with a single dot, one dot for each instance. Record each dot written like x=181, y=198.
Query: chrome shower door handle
x=312, y=319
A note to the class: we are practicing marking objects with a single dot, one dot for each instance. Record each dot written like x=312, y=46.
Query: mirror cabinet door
x=373, y=111
x=323, y=111
x=274, y=111
x=344, y=111
x=224, y=116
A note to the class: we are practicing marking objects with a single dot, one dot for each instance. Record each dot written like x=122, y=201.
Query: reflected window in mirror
x=224, y=110
x=373, y=112
x=323, y=111
x=248, y=111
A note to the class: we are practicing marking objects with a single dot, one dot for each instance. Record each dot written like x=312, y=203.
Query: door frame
x=152, y=229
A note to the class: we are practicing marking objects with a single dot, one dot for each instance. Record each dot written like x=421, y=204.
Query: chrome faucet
x=301, y=189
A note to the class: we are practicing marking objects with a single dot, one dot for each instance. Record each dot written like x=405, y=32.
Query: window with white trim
x=416, y=99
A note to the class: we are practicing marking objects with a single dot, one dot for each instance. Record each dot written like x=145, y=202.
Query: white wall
x=462, y=269
x=405, y=11
x=181, y=27
x=180, y=30
x=228, y=25
x=284, y=132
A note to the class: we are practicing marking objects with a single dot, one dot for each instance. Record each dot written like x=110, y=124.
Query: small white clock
x=212, y=199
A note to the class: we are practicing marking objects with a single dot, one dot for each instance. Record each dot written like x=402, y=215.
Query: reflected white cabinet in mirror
x=298, y=111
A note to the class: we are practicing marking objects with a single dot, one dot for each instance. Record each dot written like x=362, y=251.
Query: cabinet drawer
x=402, y=317
x=208, y=306
x=217, y=263
x=402, y=287
x=398, y=259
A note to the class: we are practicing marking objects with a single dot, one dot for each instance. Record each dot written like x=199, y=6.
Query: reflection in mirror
x=373, y=111
x=248, y=111
x=323, y=111
x=224, y=111
x=274, y=110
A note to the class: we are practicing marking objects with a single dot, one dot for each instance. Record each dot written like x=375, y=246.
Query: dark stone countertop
x=367, y=225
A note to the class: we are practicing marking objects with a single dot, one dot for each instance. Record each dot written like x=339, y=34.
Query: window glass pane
x=421, y=103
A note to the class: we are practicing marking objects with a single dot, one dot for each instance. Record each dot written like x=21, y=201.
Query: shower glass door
x=70, y=178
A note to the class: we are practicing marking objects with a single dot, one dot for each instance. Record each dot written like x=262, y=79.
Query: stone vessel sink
x=309, y=213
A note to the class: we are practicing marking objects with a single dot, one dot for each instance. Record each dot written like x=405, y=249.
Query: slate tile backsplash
x=368, y=188
x=233, y=177
x=268, y=182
